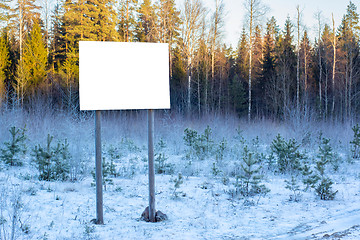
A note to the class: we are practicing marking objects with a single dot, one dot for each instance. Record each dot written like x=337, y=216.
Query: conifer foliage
x=15, y=148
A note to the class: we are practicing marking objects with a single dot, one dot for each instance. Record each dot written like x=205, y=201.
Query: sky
x=280, y=9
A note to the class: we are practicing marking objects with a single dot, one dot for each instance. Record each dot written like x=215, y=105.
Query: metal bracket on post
x=98, y=169
x=151, y=165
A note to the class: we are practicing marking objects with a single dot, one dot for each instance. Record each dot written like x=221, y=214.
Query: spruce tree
x=35, y=59
x=4, y=65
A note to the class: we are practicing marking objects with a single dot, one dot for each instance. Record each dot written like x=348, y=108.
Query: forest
x=262, y=140
x=275, y=72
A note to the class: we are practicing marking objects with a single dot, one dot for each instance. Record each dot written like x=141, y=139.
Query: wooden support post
x=151, y=165
x=98, y=169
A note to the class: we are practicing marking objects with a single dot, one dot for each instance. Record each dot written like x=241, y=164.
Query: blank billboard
x=122, y=75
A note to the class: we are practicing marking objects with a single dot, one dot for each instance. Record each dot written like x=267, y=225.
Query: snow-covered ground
x=203, y=208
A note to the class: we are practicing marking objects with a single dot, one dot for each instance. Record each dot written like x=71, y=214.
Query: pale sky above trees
x=280, y=9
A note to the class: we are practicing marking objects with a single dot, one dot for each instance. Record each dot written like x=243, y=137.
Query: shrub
x=15, y=147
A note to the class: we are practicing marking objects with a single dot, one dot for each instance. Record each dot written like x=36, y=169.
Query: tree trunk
x=298, y=63
x=334, y=67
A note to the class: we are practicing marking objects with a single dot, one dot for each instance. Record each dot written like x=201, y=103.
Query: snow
x=204, y=210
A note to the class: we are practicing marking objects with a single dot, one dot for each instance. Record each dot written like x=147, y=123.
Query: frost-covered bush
x=11, y=206
x=52, y=162
x=287, y=153
x=15, y=147
x=355, y=143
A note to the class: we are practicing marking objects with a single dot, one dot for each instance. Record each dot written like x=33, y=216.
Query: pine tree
x=4, y=65
x=127, y=20
x=286, y=59
x=293, y=186
x=146, y=25
x=15, y=147
x=27, y=14
x=349, y=42
x=58, y=41
x=4, y=10
x=248, y=183
x=306, y=58
x=268, y=74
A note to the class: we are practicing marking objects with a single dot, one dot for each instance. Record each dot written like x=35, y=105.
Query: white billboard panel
x=122, y=75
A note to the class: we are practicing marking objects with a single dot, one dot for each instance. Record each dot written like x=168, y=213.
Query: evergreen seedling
x=288, y=156
x=294, y=188
x=248, y=183
x=106, y=173
x=177, y=183
x=324, y=189
x=355, y=143
x=160, y=158
x=221, y=150
x=52, y=162
x=15, y=147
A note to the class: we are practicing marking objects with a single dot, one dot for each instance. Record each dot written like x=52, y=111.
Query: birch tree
x=255, y=10
x=192, y=15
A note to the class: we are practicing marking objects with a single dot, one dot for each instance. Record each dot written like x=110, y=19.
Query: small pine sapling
x=207, y=141
x=355, y=143
x=215, y=170
x=42, y=159
x=106, y=172
x=177, y=183
x=309, y=178
x=294, y=187
x=248, y=183
x=15, y=147
x=220, y=152
x=52, y=162
x=160, y=159
x=288, y=156
x=324, y=189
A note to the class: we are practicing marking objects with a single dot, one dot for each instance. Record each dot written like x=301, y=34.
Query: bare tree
x=216, y=31
x=255, y=10
x=298, y=20
x=318, y=17
x=191, y=16
x=334, y=65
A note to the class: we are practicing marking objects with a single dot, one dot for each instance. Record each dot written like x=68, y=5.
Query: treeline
x=275, y=72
